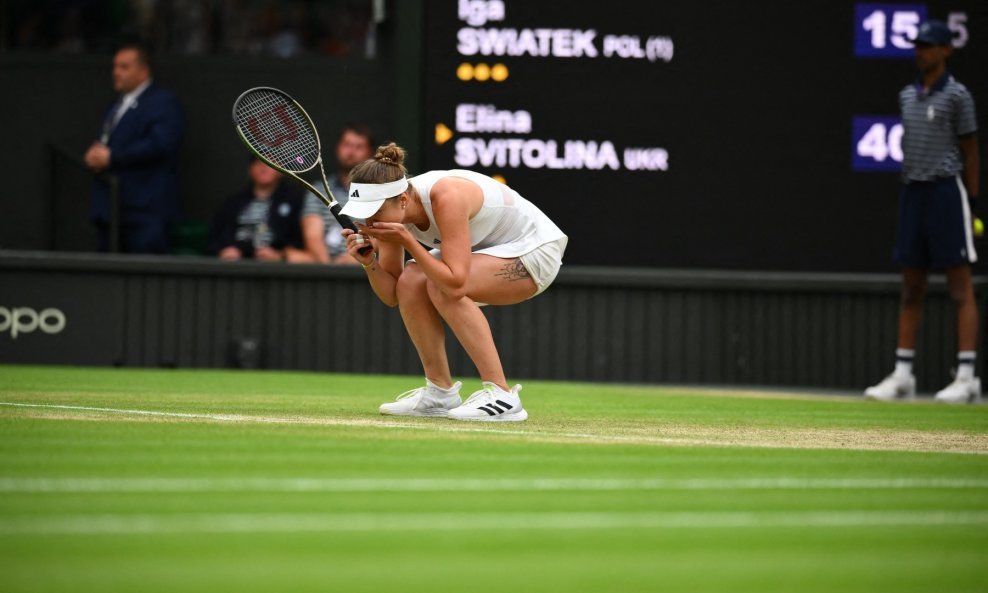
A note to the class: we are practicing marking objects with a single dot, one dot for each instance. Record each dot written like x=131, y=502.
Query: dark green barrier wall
x=594, y=324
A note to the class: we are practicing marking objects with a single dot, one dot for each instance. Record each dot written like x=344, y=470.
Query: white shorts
x=542, y=263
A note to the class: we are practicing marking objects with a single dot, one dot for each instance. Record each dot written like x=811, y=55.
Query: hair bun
x=391, y=154
x=387, y=165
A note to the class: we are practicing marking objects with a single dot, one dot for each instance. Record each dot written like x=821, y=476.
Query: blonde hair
x=387, y=164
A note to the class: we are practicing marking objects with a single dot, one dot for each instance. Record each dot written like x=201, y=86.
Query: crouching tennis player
x=492, y=246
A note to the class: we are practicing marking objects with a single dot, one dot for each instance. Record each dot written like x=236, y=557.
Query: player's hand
x=389, y=232
x=354, y=243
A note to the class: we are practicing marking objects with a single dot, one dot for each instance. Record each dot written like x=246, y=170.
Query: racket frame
x=327, y=198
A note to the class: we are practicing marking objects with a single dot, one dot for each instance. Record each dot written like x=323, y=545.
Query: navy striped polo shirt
x=932, y=122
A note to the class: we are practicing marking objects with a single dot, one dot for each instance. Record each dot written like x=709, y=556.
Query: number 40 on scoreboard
x=885, y=31
x=877, y=143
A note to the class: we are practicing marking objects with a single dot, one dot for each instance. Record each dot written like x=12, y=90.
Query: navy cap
x=934, y=33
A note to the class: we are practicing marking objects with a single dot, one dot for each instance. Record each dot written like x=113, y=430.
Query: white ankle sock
x=965, y=365
x=453, y=389
x=497, y=389
x=904, y=363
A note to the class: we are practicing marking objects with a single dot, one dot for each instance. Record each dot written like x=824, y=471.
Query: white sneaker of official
x=492, y=404
x=424, y=401
x=961, y=391
x=892, y=388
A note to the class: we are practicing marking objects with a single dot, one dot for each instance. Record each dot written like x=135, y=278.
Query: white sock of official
x=965, y=365
x=904, y=363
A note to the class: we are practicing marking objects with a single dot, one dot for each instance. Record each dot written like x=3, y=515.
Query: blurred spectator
x=284, y=28
x=262, y=222
x=138, y=143
x=322, y=231
x=69, y=38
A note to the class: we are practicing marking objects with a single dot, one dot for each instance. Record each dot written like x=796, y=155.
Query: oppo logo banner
x=24, y=320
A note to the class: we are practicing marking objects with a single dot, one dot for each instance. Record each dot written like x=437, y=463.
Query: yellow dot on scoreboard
x=481, y=72
x=464, y=72
x=499, y=72
x=499, y=179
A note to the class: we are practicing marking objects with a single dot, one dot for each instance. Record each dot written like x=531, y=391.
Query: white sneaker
x=961, y=391
x=892, y=388
x=424, y=401
x=492, y=404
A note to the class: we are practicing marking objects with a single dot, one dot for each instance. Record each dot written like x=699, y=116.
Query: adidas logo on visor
x=355, y=194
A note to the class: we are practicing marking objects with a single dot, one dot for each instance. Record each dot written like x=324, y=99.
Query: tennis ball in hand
x=979, y=227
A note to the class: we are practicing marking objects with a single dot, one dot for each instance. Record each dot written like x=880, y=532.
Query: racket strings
x=277, y=129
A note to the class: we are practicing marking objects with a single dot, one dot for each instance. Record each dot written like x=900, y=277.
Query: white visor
x=364, y=199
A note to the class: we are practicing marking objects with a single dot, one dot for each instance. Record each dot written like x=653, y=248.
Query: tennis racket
x=280, y=133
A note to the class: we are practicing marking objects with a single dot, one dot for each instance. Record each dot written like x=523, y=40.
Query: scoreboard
x=760, y=136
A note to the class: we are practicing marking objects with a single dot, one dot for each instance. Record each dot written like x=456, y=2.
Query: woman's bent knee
x=438, y=296
x=411, y=284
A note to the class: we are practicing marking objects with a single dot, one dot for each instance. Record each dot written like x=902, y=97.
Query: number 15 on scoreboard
x=884, y=30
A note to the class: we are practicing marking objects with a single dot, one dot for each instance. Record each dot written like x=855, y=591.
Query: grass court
x=148, y=480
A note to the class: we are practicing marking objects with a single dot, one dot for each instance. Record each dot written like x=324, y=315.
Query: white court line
x=337, y=485
x=372, y=423
x=385, y=522
x=227, y=417
x=440, y=426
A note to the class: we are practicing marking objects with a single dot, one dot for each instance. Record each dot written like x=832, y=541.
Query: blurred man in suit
x=139, y=142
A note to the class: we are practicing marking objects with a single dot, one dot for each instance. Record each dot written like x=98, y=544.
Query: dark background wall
x=59, y=100
x=755, y=110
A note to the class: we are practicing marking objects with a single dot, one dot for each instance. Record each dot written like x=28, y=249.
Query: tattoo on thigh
x=513, y=271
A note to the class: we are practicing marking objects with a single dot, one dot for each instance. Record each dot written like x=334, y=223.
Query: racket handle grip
x=346, y=223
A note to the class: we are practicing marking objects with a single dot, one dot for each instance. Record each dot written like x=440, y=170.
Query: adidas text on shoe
x=892, y=388
x=492, y=404
x=424, y=401
x=961, y=391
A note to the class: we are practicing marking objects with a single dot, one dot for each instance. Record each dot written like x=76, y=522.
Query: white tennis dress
x=506, y=226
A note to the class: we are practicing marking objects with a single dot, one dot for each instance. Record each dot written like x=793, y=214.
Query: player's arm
x=972, y=163
x=451, y=207
x=383, y=265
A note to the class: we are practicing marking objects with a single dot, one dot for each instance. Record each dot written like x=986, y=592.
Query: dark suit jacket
x=144, y=156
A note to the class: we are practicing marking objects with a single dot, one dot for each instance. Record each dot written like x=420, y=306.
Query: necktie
x=111, y=120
